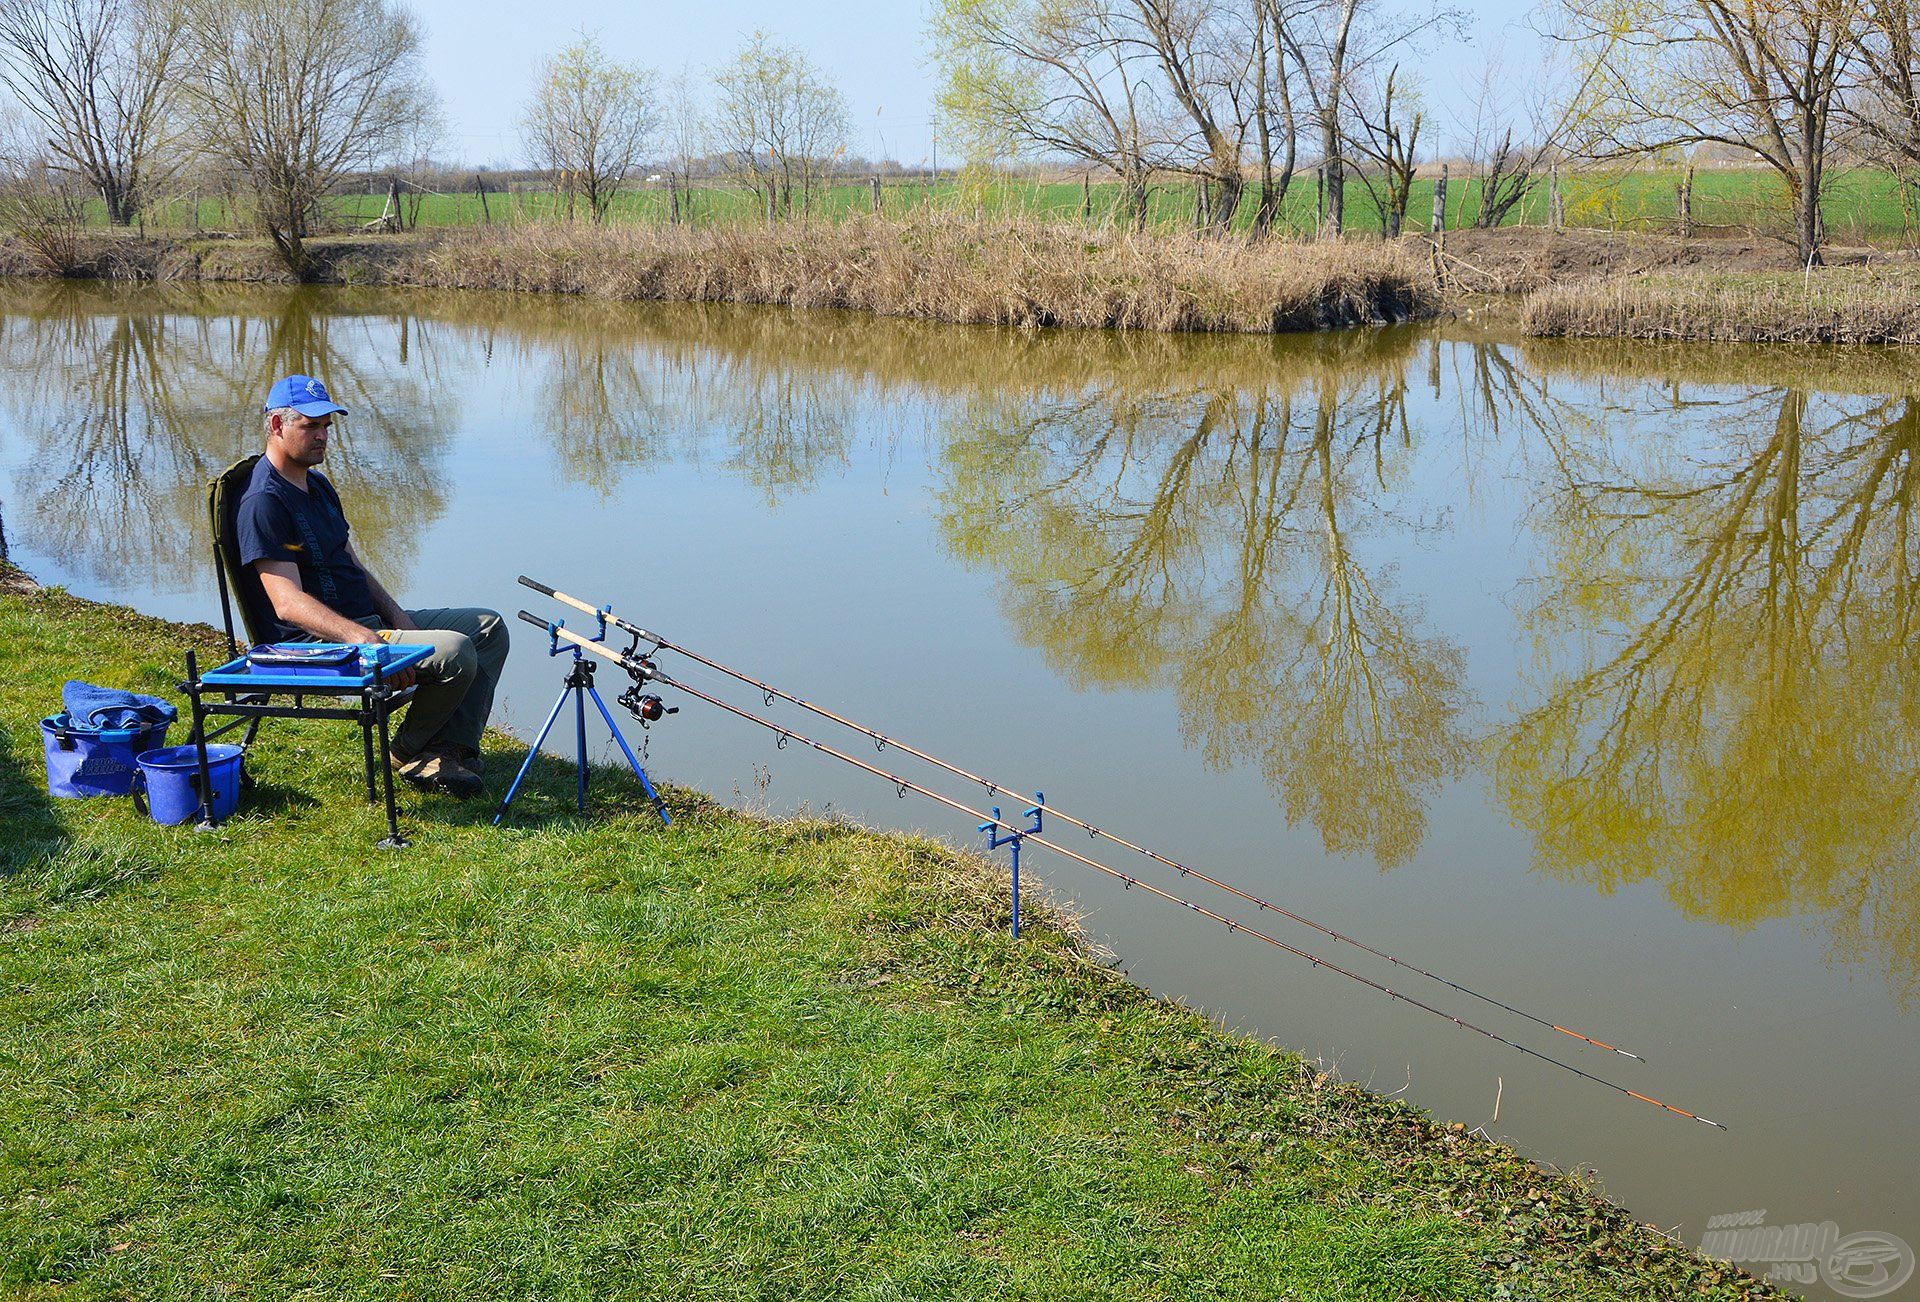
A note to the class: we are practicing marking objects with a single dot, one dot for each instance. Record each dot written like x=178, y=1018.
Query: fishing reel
x=645, y=706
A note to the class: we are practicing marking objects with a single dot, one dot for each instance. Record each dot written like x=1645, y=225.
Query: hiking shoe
x=432, y=771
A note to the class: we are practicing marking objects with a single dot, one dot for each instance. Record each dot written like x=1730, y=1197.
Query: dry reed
x=1019, y=273
x=1838, y=305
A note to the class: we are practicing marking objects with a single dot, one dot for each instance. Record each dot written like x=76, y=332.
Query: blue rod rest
x=1012, y=838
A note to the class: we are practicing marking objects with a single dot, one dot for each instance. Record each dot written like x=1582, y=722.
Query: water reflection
x=1730, y=681
x=1214, y=538
x=130, y=401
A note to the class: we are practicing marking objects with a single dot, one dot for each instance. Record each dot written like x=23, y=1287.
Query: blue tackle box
x=314, y=666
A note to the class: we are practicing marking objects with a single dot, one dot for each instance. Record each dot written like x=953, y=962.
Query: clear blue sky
x=482, y=54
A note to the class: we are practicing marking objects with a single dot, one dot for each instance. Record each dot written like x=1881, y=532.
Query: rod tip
x=1624, y=1054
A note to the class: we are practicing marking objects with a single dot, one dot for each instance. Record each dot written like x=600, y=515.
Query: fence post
x=1686, y=203
x=1086, y=195
x=673, y=200
x=480, y=188
x=1440, y=207
x=1556, y=206
x=873, y=188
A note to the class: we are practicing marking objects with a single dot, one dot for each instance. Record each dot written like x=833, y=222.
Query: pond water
x=1582, y=674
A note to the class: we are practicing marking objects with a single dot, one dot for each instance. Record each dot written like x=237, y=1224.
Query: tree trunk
x=1806, y=224
x=120, y=209
x=1223, y=200
x=1333, y=215
x=1134, y=185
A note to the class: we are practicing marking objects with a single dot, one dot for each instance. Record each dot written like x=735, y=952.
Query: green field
x=1862, y=205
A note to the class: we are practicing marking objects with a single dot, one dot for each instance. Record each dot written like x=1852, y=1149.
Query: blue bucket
x=85, y=762
x=171, y=776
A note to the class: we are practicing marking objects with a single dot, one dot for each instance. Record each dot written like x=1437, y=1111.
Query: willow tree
x=779, y=119
x=294, y=95
x=1055, y=78
x=1765, y=76
x=589, y=121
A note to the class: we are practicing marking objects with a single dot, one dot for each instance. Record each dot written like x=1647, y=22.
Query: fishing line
x=881, y=742
x=643, y=669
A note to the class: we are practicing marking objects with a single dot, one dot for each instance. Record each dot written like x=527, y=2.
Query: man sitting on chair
x=292, y=531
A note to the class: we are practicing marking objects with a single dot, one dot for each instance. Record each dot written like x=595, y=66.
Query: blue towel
x=101, y=708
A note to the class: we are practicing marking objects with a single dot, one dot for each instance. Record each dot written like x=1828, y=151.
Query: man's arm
x=296, y=606
x=383, y=603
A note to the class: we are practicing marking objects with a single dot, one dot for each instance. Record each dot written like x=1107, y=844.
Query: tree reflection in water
x=1730, y=684
x=130, y=402
x=1722, y=611
x=1208, y=537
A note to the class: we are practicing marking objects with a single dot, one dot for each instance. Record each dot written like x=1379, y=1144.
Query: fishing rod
x=644, y=670
x=882, y=741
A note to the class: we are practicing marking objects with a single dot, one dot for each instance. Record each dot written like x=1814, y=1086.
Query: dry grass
x=1017, y=272
x=1835, y=305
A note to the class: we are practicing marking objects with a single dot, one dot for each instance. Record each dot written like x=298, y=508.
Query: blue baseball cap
x=304, y=394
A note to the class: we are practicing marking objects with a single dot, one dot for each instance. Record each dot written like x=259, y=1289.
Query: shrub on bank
x=1838, y=305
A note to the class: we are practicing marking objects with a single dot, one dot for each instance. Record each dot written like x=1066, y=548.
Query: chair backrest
x=236, y=580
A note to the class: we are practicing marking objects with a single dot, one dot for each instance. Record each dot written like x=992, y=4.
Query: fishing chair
x=221, y=691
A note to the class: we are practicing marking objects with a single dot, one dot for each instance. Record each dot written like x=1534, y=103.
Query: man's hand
x=399, y=682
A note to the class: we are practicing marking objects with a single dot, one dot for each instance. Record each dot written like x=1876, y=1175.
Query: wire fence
x=1861, y=205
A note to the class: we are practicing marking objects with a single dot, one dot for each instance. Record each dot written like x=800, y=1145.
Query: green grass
x=1862, y=205
x=597, y=1057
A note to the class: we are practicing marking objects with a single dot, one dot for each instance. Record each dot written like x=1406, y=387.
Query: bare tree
x=1334, y=43
x=589, y=123
x=1389, y=121
x=39, y=205
x=686, y=133
x=1272, y=110
x=97, y=76
x=1321, y=50
x=1206, y=52
x=780, y=120
x=296, y=94
x=1760, y=75
x=1552, y=107
x=411, y=161
x=1886, y=104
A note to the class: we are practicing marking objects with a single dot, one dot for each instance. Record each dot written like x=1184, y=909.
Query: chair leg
x=394, y=840
x=366, y=746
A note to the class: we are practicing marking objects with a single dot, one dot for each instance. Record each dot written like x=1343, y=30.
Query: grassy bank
x=732, y=1058
x=1831, y=305
x=1007, y=272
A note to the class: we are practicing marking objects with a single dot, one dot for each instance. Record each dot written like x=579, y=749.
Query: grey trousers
x=455, y=683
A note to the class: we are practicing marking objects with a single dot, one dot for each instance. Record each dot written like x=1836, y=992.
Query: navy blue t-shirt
x=279, y=522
